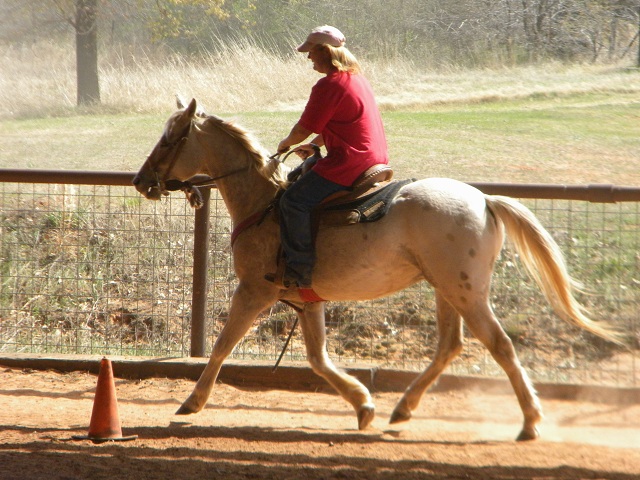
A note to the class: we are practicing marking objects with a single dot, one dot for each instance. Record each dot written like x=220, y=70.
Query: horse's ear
x=191, y=109
x=180, y=102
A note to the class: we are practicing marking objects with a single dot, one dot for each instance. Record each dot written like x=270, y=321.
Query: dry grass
x=407, y=89
x=39, y=80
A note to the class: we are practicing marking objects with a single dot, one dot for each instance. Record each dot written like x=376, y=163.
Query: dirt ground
x=271, y=434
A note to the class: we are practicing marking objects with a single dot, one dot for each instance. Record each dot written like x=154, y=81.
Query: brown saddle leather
x=372, y=179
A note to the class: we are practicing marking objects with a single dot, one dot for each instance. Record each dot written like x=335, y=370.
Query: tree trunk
x=87, y=52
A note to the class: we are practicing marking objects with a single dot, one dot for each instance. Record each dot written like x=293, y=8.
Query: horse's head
x=169, y=158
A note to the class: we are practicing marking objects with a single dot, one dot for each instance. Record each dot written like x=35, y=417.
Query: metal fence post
x=200, y=267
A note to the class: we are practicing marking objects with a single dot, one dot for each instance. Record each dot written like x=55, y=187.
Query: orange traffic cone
x=105, y=421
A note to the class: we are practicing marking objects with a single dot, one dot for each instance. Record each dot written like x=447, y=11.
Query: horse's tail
x=545, y=263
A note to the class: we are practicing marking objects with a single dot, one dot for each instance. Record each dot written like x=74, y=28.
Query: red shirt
x=342, y=108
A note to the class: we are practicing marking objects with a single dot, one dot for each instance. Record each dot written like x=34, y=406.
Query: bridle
x=190, y=188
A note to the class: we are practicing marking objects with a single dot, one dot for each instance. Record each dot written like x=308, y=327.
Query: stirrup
x=277, y=280
x=278, y=277
x=286, y=282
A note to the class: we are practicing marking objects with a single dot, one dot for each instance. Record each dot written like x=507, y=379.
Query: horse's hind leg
x=449, y=347
x=486, y=328
x=313, y=330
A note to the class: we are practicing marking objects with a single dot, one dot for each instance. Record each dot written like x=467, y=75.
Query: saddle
x=365, y=201
x=368, y=201
x=372, y=180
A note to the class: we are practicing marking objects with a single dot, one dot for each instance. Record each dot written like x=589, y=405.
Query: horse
x=436, y=229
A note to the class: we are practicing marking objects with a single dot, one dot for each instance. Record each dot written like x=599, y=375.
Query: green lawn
x=576, y=139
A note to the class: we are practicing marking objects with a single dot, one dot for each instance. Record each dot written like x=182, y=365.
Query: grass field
x=507, y=141
x=546, y=124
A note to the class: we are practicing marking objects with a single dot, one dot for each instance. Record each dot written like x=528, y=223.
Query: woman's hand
x=283, y=147
x=304, y=151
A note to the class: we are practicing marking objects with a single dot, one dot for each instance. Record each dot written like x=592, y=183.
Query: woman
x=342, y=111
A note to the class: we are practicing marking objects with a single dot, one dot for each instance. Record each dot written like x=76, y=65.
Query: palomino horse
x=439, y=230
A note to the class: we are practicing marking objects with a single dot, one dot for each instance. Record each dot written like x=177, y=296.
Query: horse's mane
x=269, y=168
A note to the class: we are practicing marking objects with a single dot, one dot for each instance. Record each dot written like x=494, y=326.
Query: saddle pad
x=366, y=209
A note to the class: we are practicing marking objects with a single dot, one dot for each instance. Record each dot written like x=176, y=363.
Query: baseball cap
x=323, y=35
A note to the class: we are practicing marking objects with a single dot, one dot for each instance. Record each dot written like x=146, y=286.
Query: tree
x=86, y=27
x=51, y=18
x=184, y=19
x=464, y=32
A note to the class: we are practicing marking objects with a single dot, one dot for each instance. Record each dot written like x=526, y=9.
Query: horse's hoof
x=528, y=435
x=184, y=410
x=399, y=416
x=366, y=414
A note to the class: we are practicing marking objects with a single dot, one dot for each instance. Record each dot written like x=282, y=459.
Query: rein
x=173, y=185
x=194, y=196
x=192, y=189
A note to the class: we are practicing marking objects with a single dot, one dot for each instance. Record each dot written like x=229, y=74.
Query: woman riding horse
x=343, y=112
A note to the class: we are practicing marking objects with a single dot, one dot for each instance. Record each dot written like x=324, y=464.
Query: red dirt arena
x=275, y=434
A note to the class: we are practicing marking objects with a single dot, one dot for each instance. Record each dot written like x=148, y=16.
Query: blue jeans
x=296, y=206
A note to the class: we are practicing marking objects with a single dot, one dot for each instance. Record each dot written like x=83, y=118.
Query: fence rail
x=604, y=193
x=89, y=266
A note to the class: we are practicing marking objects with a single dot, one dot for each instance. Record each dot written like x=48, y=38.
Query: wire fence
x=90, y=269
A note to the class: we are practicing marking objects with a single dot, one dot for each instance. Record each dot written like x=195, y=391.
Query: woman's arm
x=297, y=135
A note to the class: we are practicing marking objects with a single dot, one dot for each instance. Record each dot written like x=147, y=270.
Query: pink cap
x=323, y=35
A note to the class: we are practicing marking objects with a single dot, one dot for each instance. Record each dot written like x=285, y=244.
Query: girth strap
x=254, y=219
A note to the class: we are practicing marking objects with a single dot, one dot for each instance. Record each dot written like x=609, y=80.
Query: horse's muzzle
x=150, y=191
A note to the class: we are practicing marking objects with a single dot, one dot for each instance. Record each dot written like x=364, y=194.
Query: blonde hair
x=343, y=59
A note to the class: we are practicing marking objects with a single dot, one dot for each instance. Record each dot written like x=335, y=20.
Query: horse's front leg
x=354, y=392
x=246, y=304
